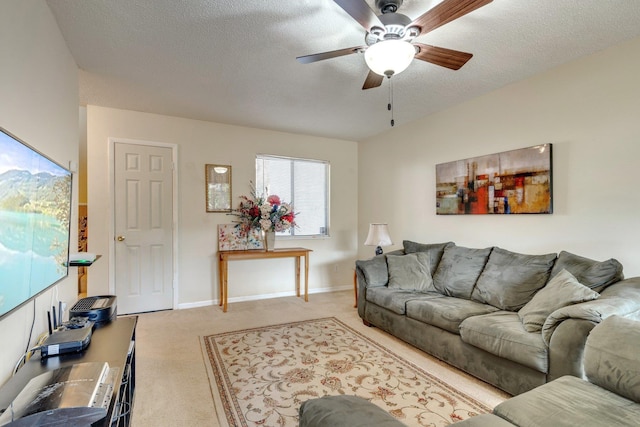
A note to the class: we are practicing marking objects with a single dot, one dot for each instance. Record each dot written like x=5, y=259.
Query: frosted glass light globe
x=389, y=57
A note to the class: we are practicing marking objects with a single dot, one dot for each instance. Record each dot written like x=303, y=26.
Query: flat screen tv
x=35, y=208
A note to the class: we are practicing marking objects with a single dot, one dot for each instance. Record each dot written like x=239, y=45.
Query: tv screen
x=35, y=208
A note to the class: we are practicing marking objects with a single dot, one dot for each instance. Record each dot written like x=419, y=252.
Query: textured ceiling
x=231, y=61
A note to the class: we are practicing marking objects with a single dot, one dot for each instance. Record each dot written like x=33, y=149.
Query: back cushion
x=410, y=272
x=510, y=280
x=435, y=251
x=596, y=275
x=459, y=269
x=611, y=356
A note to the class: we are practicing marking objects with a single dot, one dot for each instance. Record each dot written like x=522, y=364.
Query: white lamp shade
x=389, y=57
x=378, y=235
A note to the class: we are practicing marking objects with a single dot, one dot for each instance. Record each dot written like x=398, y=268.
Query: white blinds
x=302, y=182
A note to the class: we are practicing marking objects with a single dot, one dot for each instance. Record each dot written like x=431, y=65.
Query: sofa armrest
x=611, y=356
x=567, y=348
x=621, y=298
x=371, y=272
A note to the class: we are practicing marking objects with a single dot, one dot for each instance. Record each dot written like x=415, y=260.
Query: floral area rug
x=261, y=376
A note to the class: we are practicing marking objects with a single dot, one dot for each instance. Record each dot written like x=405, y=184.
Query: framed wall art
x=218, y=187
x=511, y=182
x=232, y=238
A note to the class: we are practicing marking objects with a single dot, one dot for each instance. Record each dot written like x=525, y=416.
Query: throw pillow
x=459, y=269
x=374, y=270
x=595, y=274
x=410, y=272
x=561, y=291
x=509, y=280
x=435, y=251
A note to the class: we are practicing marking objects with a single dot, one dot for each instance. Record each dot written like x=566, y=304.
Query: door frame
x=174, y=203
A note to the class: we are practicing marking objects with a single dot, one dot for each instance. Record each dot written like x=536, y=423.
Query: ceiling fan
x=389, y=39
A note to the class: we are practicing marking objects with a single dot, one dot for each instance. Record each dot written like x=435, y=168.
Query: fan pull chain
x=390, y=104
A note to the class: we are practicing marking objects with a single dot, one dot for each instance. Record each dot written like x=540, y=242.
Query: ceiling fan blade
x=446, y=12
x=448, y=58
x=361, y=12
x=307, y=59
x=372, y=80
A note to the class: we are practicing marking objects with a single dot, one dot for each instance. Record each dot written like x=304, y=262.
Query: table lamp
x=378, y=236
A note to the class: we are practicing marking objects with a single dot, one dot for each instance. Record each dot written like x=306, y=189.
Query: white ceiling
x=232, y=61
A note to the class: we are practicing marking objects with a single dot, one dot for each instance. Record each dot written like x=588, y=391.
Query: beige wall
x=39, y=104
x=205, y=142
x=588, y=109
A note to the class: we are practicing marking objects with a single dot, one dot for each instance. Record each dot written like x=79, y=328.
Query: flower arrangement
x=264, y=213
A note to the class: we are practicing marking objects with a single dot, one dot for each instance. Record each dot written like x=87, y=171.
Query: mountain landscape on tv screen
x=35, y=203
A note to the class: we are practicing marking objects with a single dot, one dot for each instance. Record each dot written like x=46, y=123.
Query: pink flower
x=273, y=200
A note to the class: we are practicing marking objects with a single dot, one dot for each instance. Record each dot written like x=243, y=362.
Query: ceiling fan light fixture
x=389, y=57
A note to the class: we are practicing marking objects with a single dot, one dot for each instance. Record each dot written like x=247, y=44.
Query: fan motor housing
x=395, y=25
x=386, y=6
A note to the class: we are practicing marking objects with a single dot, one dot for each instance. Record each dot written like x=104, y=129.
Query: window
x=302, y=182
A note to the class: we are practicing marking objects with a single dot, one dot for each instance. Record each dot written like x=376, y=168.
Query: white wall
x=588, y=109
x=38, y=104
x=331, y=262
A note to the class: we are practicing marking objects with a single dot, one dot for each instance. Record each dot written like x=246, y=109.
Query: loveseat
x=609, y=397
x=516, y=321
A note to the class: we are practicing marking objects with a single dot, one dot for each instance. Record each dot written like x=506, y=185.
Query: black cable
x=390, y=104
x=33, y=322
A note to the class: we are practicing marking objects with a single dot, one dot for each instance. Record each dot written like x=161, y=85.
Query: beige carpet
x=261, y=376
x=172, y=387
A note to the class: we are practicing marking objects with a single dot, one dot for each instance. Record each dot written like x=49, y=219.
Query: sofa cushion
x=410, y=272
x=561, y=291
x=509, y=280
x=611, y=356
x=344, y=410
x=374, y=270
x=447, y=312
x=568, y=402
x=435, y=251
x=459, y=269
x=502, y=333
x=595, y=274
x=484, y=420
x=396, y=299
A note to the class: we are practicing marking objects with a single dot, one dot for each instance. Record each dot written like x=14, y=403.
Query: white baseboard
x=263, y=296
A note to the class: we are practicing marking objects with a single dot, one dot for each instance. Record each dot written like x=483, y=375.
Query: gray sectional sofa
x=516, y=321
x=609, y=397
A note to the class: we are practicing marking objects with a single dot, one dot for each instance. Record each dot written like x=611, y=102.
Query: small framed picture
x=218, y=187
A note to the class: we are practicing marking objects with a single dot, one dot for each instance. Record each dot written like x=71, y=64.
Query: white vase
x=269, y=240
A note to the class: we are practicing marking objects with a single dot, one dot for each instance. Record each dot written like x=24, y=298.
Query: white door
x=143, y=227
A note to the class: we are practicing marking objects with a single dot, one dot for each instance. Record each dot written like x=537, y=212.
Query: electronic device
x=82, y=259
x=99, y=309
x=74, y=395
x=76, y=323
x=64, y=341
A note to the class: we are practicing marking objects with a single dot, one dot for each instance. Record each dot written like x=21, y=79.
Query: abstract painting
x=232, y=238
x=511, y=182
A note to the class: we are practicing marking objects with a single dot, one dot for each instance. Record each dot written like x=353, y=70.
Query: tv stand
x=113, y=343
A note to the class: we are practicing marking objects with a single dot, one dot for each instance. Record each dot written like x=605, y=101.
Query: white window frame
x=293, y=233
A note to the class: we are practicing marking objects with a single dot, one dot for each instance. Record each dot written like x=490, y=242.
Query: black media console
x=113, y=343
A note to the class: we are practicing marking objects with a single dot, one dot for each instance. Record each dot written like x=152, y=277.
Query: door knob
x=120, y=238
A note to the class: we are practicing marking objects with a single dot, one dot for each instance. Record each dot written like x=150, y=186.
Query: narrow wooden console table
x=225, y=256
